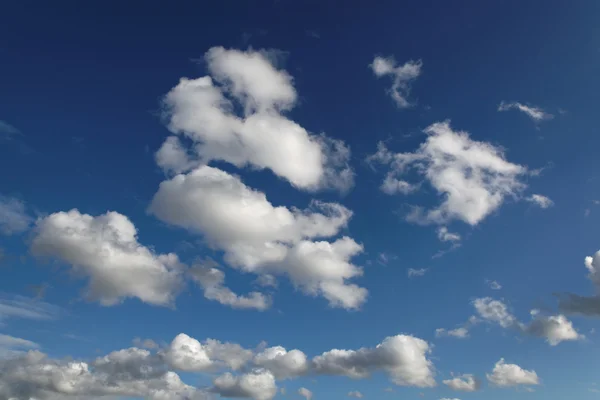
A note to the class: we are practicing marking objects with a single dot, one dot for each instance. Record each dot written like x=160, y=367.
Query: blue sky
x=413, y=184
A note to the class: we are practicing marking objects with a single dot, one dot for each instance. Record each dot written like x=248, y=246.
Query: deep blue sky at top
x=82, y=81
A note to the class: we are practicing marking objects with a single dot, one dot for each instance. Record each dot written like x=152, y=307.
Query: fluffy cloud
x=188, y=354
x=13, y=216
x=304, y=392
x=505, y=375
x=584, y=305
x=402, y=75
x=540, y=201
x=261, y=238
x=464, y=383
x=263, y=138
x=494, y=311
x=554, y=328
x=258, y=385
x=356, y=394
x=282, y=363
x=125, y=373
x=11, y=346
x=535, y=113
x=473, y=177
x=403, y=358
x=105, y=249
x=212, y=281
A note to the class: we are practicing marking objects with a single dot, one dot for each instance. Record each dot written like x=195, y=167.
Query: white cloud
x=188, y=354
x=105, y=249
x=473, y=178
x=494, y=285
x=304, y=392
x=282, y=363
x=260, y=238
x=263, y=137
x=258, y=385
x=13, y=216
x=145, y=343
x=403, y=76
x=212, y=281
x=535, y=113
x=540, y=201
x=585, y=305
x=555, y=328
x=27, y=308
x=356, y=394
x=505, y=375
x=494, y=311
x=446, y=236
x=459, y=333
x=402, y=357
x=412, y=272
x=392, y=185
x=11, y=346
x=464, y=383
x=126, y=373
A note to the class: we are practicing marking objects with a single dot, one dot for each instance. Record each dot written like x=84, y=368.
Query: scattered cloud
x=473, y=178
x=412, y=272
x=494, y=285
x=459, y=333
x=403, y=76
x=212, y=280
x=260, y=238
x=356, y=394
x=105, y=250
x=464, y=383
x=506, y=375
x=263, y=138
x=12, y=306
x=284, y=364
x=145, y=343
x=13, y=216
x=540, y=201
x=304, y=392
x=535, y=113
x=494, y=311
x=11, y=346
x=585, y=305
x=7, y=131
x=403, y=358
x=258, y=385
x=446, y=236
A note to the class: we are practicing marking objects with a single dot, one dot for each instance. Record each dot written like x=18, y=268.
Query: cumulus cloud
x=304, y=392
x=261, y=238
x=403, y=358
x=535, y=113
x=263, y=138
x=540, y=201
x=473, y=178
x=127, y=373
x=403, y=76
x=494, y=311
x=187, y=354
x=282, y=363
x=506, y=375
x=212, y=280
x=554, y=328
x=258, y=385
x=105, y=249
x=356, y=394
x=464, y=383
x=585, y=305
x=13, y=216
x=11, y=346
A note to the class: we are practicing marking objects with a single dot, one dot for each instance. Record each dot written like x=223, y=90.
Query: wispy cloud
x=403, y=76
x=535, y=113
x=13, y=216
x=540, y=201
x=412, y=272
x=12, y=306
